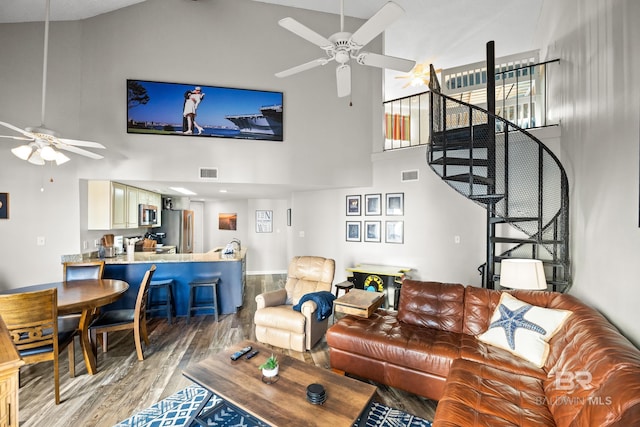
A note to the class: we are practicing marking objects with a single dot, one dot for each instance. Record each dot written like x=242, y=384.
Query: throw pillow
x=523, y=329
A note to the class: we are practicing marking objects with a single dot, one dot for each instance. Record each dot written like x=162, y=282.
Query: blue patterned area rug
x=176, y=409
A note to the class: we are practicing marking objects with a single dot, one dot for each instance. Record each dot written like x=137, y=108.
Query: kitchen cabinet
x=112, y=205
x=10, y=363
x=132, y=207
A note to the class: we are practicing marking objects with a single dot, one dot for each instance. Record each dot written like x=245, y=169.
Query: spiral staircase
x=513, y=175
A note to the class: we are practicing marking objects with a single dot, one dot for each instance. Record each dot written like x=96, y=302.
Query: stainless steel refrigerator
x=178, y=224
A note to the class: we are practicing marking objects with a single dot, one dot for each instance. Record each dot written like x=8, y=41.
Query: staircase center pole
x=491, y=158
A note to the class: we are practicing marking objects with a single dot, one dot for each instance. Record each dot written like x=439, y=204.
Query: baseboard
x=258, y=273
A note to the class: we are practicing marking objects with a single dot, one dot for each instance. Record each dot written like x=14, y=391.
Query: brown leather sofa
x=591, y=376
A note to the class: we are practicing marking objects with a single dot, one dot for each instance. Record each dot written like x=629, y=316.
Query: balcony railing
x=521, y=98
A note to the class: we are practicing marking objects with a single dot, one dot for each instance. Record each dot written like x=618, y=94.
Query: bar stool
x=203, y=282
x=344, y=286
x=165, y=305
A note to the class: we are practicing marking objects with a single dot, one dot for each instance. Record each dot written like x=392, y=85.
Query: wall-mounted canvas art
x=196, y=110
x=4, y=205
x=227, y=221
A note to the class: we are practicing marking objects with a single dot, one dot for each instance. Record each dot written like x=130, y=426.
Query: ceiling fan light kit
x=44, y=143
x=343, y=46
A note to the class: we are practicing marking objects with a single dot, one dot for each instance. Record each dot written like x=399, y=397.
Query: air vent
x=409, y=175
x=208, y=173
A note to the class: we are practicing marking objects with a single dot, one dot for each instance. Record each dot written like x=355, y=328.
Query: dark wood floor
x=123, y=385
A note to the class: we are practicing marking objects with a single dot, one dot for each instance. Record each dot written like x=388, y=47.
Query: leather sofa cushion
x=477, y=394
x=432, y=305
x=383, y=337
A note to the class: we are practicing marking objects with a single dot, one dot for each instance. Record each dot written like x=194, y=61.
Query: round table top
x=77, y=295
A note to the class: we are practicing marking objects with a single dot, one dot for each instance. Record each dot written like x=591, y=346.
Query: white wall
x=434, y=215
x=598, y=43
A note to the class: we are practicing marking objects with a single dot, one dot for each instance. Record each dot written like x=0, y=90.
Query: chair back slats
x=82, y=270
x=31, y=318
x=143, y=295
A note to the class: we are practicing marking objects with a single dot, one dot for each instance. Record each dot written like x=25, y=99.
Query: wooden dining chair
x=74, y=270
x=124, y=319
x=82, y=270
x=32, y=320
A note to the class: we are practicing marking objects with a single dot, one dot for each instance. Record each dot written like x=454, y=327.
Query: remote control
x=252, y=354
x=238, y=354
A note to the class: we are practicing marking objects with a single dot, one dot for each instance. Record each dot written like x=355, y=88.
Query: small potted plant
x=270, y=367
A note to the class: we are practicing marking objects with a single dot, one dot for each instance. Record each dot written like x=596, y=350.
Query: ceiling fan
x=342, y=46
x=43, y=142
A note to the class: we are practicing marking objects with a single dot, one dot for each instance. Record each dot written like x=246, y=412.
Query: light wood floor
x=123, y=385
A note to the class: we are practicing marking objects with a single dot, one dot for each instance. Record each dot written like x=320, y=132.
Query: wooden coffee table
x=283, y=403
x=359, y=302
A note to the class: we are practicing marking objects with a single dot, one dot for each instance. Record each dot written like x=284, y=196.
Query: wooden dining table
x=82, y=296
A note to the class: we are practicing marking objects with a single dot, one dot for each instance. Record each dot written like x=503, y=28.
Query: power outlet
x=40, y=241
x=85, y=245
x=96, y=243
x=456, y=240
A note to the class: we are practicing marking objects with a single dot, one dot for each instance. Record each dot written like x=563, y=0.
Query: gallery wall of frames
x=378, y=220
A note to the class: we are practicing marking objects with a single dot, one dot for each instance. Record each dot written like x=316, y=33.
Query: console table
x=380, y=278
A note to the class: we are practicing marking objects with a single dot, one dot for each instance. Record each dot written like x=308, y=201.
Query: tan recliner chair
x=277, y=323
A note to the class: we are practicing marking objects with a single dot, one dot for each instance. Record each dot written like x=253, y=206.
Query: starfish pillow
x=523, y=329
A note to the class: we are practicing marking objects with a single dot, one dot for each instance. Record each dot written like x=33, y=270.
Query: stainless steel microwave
x=147, y=215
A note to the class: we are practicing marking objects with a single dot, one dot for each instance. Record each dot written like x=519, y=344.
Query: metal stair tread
x=465, y=177
x=460, y=161
x=516, y=240
x=487, y=198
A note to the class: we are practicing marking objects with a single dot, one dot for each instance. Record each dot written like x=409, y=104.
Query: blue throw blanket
x=324, y=301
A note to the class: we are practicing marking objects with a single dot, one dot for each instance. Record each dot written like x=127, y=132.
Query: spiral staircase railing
x=513, y=175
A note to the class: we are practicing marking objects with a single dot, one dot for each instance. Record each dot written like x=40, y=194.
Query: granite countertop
x=213, y=255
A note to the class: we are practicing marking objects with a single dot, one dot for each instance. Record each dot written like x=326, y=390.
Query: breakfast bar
x=183, y=268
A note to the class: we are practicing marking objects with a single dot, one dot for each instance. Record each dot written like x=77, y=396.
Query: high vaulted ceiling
x=446, y=33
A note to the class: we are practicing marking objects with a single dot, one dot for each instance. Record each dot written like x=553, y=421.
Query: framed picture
x=353, y=205
x=264, y=221
x=196, y=110
x=227, y=221
x=372, y=231
x=395, y=203
x=394, y=232
x=353, y=231
x=373, y=204
x=4, y=205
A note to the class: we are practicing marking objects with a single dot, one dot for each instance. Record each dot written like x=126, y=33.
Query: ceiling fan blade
x=385, y=61
x=377, y=23
x=80, y=151
x=81, y=143
x=20, y=138
x=343, y=79
x=17, y=129
x=303, y=67
x=305, y=32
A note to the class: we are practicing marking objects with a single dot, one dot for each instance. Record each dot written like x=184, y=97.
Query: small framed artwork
x=372, y=231
x=373, y=204
x=353, y=205
x=264, y=221
x=395, y=203
x=353, y=231
x=227, y=221
x=4, y=205
x=394, y=232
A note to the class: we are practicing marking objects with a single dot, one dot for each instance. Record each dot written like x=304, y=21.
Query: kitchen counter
x=182, y=268
x=214, y=255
